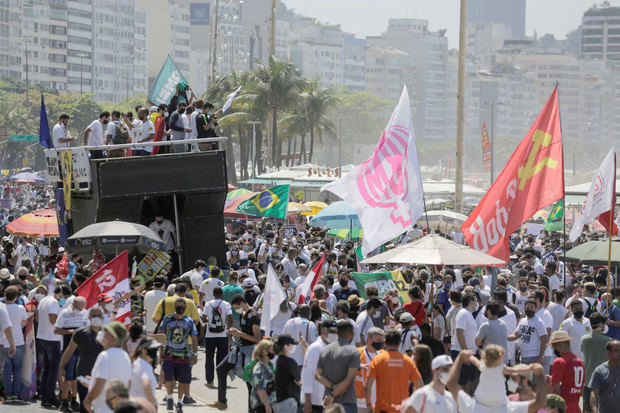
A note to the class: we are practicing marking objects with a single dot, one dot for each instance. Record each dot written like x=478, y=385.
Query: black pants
x=213, y=344
x=48, y=360
x=222, y=370
x=82, y=392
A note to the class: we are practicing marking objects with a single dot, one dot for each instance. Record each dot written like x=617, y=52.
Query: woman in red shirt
x=416, y=306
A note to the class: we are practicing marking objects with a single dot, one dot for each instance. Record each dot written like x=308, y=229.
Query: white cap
x=441, y=361
x=153, y=109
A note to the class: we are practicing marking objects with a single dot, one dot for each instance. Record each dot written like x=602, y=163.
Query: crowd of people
x=185, y=117
x=539, y=335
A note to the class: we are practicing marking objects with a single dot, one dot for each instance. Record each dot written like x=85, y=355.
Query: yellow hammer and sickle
x=540, y=139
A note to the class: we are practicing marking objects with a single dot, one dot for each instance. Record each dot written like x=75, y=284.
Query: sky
x=369, y=17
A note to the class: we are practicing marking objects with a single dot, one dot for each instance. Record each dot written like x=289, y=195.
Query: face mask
x=109, y=403
x=159, y=221
x=332, y=337
x=448, y=286
x=377, y=345
x=343, y=283
x=437, y=284
x=109, y=307
x=476, y=307
x=234, y=252
x=96, y=322
x=377, y=314
x=530, y=313
x=179, y=309
x=181, y=111
x=105, y=122
x=239, y=310
x=578, y=314
x=39, y=297
x=523, y=289
x=443, y=377
x=166, y=114
x=100, y=336
x=23, y=276
x=76, y=311
x=292, y=349
x=395, y=301
x=557, y=353
x=62, y=302
x=512, y=386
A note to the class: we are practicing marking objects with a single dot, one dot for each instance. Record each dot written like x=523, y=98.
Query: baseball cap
x=148, y=344
x=285, y=339
x=249, y=283
x=406, y=317
x=327, y=324
x=153, y=109
x=106, y=298
x=557, y=401
x=441, y=361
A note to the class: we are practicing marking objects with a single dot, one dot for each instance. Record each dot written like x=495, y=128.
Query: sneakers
x=219, y=405
x=74, y=405
x=179, y=407
x=188, y=400
x=64, y=407
x=170, y=403
x=209, y=384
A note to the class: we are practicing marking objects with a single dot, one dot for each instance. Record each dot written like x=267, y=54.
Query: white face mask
x=100, y=336
x=332, y=337
x=239, y=310
x=96, y=322
x=395, y=301
x=437, y=284
x=512, y=386
x=109, y=307
x=476, y=307
x=39, y=297
x=292, y=349
x=443, y=377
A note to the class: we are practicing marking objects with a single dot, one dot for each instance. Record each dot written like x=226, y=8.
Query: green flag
x=271, y=202
x=555, y=220
x=165, y=85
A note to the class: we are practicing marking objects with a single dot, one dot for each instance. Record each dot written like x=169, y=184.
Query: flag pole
x=611, y=230
x=564, y=238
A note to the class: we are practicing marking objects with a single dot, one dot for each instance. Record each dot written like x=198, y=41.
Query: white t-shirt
x=95, y=137
x=113, y=363
x=59, y=132
x=165, y=231
x=48, y=305
x=195, y=277
x=294, y=327
x=464, y=320
x=223, y=308
x=363, y=323
x=17, y=314
x=547, y=320
x=558, y=312
x=143, y=131
x=151, y=299
x=432, y=400
x=530, y=331
x=141, y=370
x=192, y=124
x=576, y=330
x=5, y=322
x=554, y=282
x=468, y=404
x=309, y=384
x=207, y=287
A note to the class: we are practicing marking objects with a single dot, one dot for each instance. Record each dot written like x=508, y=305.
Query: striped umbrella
x=41, y=222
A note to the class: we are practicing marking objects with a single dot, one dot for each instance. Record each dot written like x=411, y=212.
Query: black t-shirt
x=247, y=321
x=287, y=373
x=201, y=121
x=88, y=349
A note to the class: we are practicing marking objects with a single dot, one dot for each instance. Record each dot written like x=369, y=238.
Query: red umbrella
x=41, y=222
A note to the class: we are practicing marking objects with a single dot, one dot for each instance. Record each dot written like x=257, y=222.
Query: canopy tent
x=337, y=215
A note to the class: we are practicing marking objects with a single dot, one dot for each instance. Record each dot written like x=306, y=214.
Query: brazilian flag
x=555, y=220
x=271, y=202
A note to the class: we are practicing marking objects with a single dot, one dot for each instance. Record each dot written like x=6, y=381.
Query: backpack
x=216, y=324
x=590, y=308
x=121, y=133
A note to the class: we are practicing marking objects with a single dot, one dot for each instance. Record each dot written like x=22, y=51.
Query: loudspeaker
x=202, y=237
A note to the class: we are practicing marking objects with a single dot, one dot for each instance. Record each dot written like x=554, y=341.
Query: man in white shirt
x=13, y=366
x=532, y=335
x=465, y=326
x=60, y=137
x=145, y=132
x=217, y=315
x=364, y=319
x=289, y=264
x=576, y=326
x=93, y=134
x=151, y=299
x=311, y=389
x=195, y=274
x=205, y=291
x=6, y=334
x=48, y=344
x=112, y=363
x=554, y=280
x=298, y=327
x=25, y=250
x=166, y=231
x=434, y=397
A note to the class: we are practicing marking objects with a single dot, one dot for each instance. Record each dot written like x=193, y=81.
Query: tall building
x=354, y=62
x=486, y=37
x=510, y=13
x=387, y=70
x=600, y=34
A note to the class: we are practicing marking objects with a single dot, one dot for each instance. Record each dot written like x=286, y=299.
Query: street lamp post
x=253, y=151
x=492, y=139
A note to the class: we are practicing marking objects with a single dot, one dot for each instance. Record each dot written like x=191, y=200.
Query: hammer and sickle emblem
x=540, y=139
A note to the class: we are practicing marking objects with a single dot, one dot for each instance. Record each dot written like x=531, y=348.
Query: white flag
x=386, y=190
x=230, y=99
x=600, y=196
x=274, y=296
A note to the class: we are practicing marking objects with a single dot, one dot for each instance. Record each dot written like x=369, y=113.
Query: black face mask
x=159, y=221
x=530, y=313
x=377, y=345
x=179, y=309
x=557, y=353
x=343, y=283
x=109, y=403
x=271, y=355
x=578, y=314
x=523, y=289
x=23, y=276
x=181, y=111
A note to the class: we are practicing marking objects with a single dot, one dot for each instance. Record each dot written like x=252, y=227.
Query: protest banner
x=152, y=264
x=384, y=281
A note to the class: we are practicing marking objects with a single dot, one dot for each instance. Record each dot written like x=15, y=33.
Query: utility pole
x=272, y=39
x=27, y=82
x=460, y=113
x=340, y=149
x=81, y=56
x=214, y=43
x=253, y=151
x=492, y=137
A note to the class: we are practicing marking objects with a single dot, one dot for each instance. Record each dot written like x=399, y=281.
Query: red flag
x=160, y=126
x=486, y=148
x=306, y=291
x=605, y=219
x=532, y=179
x=111, y=279
x=62, y=267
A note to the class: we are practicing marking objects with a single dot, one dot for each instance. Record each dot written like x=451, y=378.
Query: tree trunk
x=243, y=153
x=311, y=145
x=292, y=163
x=275, y=144
x=302, y=149
x=259, y=149
x=289, y=153
x=230, y=160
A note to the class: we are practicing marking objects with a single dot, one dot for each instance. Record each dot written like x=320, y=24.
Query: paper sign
x=152, y=264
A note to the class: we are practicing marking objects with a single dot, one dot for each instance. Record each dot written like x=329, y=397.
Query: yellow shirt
x=190, y=308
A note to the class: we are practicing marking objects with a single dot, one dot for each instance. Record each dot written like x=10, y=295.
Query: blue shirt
x=614, y=314
x=177, y=331
x=443, y=298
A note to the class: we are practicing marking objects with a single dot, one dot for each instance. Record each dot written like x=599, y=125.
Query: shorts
x=70, y=367
x=180, y=371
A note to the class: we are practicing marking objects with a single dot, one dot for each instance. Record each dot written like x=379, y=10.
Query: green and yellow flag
x=555, y=220
x=271, y=202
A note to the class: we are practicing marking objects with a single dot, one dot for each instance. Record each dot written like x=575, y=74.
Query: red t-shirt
x=569, y=372
x=416, y=308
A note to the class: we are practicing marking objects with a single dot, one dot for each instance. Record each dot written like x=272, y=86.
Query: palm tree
x=317, y=103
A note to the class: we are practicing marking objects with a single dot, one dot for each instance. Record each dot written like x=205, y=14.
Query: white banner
x=81, y=168
x=52, y=170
